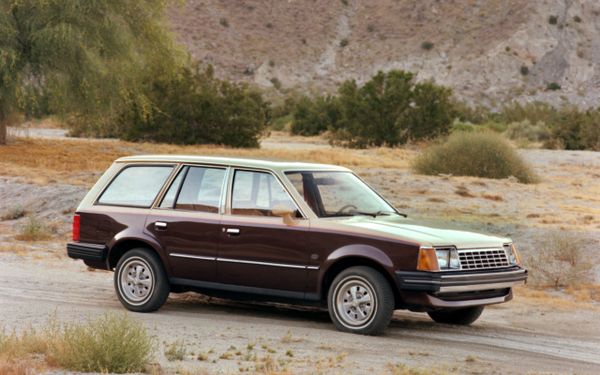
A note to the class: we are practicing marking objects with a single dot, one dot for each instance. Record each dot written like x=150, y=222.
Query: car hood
x=405, y=229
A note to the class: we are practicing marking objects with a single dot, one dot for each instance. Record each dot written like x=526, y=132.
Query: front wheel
x=464, y=316
x=140, y=281
x=360, y=300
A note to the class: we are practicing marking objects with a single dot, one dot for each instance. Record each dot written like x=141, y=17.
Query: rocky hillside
x=489, y=51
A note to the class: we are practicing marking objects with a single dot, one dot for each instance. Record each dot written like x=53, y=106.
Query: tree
x=391, y=109
x=314, y=116
x=374, y=114
x=83, y=56
x=193, y=107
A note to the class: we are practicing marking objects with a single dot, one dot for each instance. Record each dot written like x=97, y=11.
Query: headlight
x=447, y=259
x=431, y=259
x=513, y=254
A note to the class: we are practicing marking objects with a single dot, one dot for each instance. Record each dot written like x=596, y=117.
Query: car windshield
x=338, y=193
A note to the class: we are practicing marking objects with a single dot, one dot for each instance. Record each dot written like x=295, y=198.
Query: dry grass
x=560, y=262
x=34, y=230
x=79, y=162
x=108, y=344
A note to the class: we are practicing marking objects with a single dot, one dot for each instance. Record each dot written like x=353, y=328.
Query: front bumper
x=460, y=281
x=425, y=291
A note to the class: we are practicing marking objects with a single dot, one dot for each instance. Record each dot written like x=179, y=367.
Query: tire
x=464, y=317
x=140, y=281
x=350, y=314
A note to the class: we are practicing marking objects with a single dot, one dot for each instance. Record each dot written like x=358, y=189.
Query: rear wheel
x=140, y=281
x=463, y=316
x=360, y=300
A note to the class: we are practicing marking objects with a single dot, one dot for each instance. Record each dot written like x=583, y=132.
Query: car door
x=258, y=251
x=187, y=223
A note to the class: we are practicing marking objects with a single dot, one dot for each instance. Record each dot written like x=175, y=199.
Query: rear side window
x=136, y=186
x=201, y=190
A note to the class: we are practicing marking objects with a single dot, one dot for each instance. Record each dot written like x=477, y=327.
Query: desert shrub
x=577, y=19
x=110, y=343
x=223, y=22
x=559, y=261
x=480, y=154
x=314, y=116
x=524, y=70
x=553, y=86
x=391, y=109
x=576, y=130
x=33, y=230
x=533, y=112
x=176, y=351
x=552, y=20
x=466, y=127
x=569, y=127
x=344, y=42
x=13, y=213
x=427, y=45
x=525, y=130
x=495, y=126
x=471, y=114
x=193, y=107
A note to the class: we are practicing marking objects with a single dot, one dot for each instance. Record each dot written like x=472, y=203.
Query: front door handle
x=232, y=231
x=160, y=225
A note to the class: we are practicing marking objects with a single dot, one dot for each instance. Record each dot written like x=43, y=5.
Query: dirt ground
x=538, y=332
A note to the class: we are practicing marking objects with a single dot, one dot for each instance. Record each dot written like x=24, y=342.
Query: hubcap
x=136, y=280
x=355, y=302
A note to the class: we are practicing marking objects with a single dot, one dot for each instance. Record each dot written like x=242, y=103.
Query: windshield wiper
x=374, y=214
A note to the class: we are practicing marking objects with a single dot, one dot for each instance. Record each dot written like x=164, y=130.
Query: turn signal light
x=427, y=260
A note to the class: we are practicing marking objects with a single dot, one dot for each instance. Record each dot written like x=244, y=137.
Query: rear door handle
x=232, y=231
x=160, y=225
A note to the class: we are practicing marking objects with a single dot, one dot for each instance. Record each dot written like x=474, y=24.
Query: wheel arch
x=357, y=255
x=123, y=245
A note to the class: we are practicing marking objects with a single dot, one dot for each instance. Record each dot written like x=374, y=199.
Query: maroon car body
x=222, y=237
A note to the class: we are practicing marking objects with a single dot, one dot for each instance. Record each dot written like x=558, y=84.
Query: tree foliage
x=391, y=109
x=79, y=57
x=193, y=107
x=314, y=116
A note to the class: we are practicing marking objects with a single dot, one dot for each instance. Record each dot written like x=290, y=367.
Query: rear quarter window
x=136, y=186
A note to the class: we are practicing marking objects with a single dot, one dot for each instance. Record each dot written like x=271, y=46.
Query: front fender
x=367, y=252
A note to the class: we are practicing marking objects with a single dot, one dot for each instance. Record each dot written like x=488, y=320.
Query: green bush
x=553, y=86
x=193, y=107
x=573, y=129
x=427, y=45
x=390, y=109
x=480, y=154
x=525, y=130
x=568, y=126
x=110, y=343
x=466, y=127
x=314, y=116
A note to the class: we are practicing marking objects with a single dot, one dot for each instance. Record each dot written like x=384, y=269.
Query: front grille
x=479, y=259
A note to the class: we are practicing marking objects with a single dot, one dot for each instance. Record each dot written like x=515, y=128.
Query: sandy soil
x=532, y=335
x=529, y=335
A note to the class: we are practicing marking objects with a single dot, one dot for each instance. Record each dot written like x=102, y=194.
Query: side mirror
x=284, y=212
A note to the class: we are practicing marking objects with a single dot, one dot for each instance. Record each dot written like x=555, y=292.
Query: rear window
x=136, y=186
